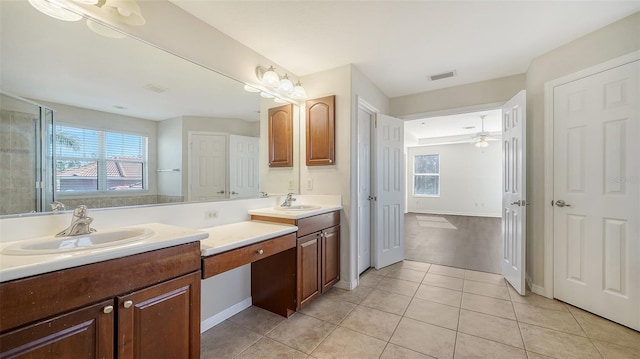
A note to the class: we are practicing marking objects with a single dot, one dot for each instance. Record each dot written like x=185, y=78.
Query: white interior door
x=244, y=157
x=596, y=188
x=389, y=190
x=514, y=210
x=207, y=167
x=364, y=190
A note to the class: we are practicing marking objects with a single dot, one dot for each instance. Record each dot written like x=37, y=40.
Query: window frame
x=413, y=178
x=101, y=162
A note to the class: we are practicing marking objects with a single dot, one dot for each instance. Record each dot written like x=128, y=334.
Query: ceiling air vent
x=155, y=88
x=443, y=75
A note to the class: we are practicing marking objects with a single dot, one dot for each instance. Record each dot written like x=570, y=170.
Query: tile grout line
x=585, y=332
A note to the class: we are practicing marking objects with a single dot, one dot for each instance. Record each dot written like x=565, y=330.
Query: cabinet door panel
x=330, y=257
x=321, y=131
x=281, y=136
x=308, y=268
x=83, y=333
x=162, y=321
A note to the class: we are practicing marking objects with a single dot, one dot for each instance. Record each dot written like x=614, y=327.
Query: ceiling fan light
x=482, y=143
x=54, y=10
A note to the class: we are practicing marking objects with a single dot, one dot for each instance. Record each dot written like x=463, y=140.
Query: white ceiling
x=398, y=44
x=45, y=59
x=453, y=125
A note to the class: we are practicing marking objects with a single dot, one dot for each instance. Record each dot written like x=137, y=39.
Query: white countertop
x=235, y=235
x=15, y=266
x=279, y=213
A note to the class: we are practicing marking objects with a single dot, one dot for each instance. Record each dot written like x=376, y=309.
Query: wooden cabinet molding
x=321, y=131
x=281, y=136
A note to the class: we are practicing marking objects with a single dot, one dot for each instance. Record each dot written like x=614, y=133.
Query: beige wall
x=614, y=40
x=458, y=97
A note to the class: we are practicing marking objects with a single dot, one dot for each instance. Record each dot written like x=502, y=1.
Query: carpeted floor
x=456, y=241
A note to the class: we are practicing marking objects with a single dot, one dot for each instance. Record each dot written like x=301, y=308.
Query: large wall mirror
x=111, y=122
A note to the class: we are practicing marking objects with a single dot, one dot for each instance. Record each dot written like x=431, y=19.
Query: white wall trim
x=225, y=314
x=547, y=288
x=534, y=288
x=355, y=221
x=448, y=213
x=453, y=111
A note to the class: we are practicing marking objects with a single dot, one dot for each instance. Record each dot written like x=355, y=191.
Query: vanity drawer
x=317, y=223
x=223, y=262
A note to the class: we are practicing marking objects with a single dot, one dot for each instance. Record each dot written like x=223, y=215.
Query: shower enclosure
x=26, y=149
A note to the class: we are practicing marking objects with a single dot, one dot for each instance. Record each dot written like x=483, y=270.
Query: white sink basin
x=59, y=245
x=301, y=207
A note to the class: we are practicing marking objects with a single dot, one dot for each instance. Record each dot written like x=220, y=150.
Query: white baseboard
x=468, y=214
x=225, y=314
x=537, y=289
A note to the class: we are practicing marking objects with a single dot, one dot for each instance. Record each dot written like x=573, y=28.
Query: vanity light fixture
x=110, y=11
x=281, y=85
x=249, y=88
x=266, y=95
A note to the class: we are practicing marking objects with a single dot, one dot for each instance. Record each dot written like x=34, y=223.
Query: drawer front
x=223, y=262
x=317, y=223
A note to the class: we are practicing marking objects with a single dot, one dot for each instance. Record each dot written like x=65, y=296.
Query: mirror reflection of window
x=99, y=161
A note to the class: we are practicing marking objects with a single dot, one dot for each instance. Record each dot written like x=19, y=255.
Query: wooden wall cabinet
x=281, y=136
x=321, y=131
x=142, y=306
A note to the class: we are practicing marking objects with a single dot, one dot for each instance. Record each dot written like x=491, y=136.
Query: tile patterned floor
x=417, y=310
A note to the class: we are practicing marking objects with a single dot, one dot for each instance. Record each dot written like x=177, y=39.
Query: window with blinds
x=99, y=161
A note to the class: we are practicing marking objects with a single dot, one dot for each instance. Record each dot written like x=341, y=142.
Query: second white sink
x=301, y=207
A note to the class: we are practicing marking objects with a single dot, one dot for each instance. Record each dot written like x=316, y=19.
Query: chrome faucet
x=57, y=206
x=288, y=200
x=80, y=223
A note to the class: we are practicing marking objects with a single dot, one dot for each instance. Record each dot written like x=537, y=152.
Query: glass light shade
x=271, y=78
x=128, y=12
x=87, y=2
x=104, y=30
x=482, y=143
x=285, y=86
x=299, y=92
x=54, y=10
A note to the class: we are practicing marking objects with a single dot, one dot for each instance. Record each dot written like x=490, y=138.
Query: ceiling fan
x=482, y=136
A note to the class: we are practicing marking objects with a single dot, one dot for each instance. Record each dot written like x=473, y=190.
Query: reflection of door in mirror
x=281, y=136
x=244, y=159
x=207, y=166
x=25, y=166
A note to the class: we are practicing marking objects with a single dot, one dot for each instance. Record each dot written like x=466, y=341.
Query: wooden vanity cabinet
x=318, y=254
x=141, y=306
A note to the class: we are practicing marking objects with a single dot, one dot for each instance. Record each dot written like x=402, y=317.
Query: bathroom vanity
x=140, y=305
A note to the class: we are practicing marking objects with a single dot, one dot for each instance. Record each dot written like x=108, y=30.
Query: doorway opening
x=454, y=190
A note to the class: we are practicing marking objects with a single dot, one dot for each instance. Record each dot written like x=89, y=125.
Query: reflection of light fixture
x=266, y=95
x=110, y=11
x=53, y=9
x=482, y=136
x=282, y=85
x=251, y=88
x=279, y=100
x=103, y=30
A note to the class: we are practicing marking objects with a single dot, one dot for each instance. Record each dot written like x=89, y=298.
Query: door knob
x=220, y=192
x=234, y=192
x=127, y=304
x=561, y=203
x=516, y=203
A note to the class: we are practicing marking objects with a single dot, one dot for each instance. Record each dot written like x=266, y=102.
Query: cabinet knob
x=108, y=309
x=330, y=161
x=127, y=304
x=260, y=251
